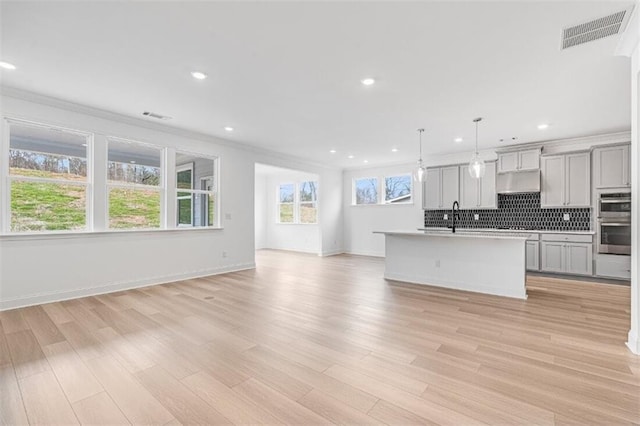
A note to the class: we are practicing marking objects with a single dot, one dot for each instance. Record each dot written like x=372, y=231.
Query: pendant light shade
x=420, y=174
x=476, y=165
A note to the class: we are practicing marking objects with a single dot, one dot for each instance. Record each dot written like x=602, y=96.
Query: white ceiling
x=287, y=75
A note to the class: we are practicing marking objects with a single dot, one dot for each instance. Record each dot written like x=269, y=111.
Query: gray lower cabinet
x=567, y=254
x=613, y=266
x=533, y=256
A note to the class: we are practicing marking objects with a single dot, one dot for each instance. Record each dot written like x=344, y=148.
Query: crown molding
x=24, y=95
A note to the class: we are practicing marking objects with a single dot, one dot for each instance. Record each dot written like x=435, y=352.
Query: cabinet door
x=579, y=258
x=469, y=190
x=529, y=160
x=552, y=256
x=488, y=198
x=431, y=195
x=450, y=186
x=553, y=182
x=507, y=162
x=578, y=180
x=533, y=256
x=612, y=166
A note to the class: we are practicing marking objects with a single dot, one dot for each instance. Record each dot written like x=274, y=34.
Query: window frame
x=214, y=193
x=7, y=179
x=294, y=219
x=97, y=186
x=385, y=177
x=296, y=203
x=161, y=188
x=381, y=188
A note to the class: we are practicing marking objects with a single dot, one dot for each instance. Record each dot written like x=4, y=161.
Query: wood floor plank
x=74, y=377
x=232, y=405
x=83, y=342
x=11, y=407
x=43, y=328
x=13, y=320
x=45, y=402
x=137, y=404
x=26, y=355
x=278, y=405
x=99, y=409
x=335, y=410
x=186, y=406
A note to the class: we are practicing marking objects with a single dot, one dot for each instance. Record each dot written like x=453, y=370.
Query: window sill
x=93, y=234
x=303, y=224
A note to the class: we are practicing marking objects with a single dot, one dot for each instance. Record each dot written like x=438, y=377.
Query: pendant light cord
x=477, y=120
x=420, y=142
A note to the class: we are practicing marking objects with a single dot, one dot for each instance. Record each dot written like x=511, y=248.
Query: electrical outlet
x=446, y=217
x=437, y=263
x=566, y=217
x=227, y=216
x=224, y=254
x=476, y=216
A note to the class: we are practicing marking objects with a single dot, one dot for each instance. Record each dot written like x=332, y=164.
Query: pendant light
x=476, y=165
x=421, y=172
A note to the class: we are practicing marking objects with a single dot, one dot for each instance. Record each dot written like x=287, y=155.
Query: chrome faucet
x=455, y=214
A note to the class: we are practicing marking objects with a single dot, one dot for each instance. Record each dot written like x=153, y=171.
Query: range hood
x=516, y=182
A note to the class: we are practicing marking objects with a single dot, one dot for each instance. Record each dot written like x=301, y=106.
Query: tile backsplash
x=515, y=211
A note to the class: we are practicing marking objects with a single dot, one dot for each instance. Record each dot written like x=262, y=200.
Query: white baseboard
x=634, y=343
x=364, y=253
x=456, y=285
x=57, y=296
x=331, y=252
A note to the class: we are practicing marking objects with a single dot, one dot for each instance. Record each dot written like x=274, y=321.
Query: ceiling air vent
x=594, y=30
x=156, y=115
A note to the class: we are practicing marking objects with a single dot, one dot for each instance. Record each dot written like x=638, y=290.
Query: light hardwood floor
x=310, y=340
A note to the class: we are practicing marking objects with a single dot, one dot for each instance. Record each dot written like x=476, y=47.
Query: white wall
x=55, y=267
x=260, y=207
x=296, y=237
x=361, y=221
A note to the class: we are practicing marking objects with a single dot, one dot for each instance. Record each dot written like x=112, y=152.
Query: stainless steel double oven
x=614, y=223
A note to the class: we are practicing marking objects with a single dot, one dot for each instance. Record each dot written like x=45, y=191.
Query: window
x=366, y=191
x=134, y=181
x=308, y=202
x=286, y=203
x=397, y=189
x=196, y=191
x=47, y=178
x=298, y=206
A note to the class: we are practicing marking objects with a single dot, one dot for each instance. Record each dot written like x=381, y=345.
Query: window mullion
x=97, y=165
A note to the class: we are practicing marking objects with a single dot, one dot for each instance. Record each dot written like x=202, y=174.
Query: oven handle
x=616, y=201
x=615, y=224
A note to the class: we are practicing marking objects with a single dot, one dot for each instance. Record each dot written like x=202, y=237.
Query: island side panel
x=483, y=265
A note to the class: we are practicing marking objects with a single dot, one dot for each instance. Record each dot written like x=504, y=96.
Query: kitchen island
x=489, y=263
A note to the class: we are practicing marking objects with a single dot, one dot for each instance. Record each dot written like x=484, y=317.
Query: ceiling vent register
x=156, y=115
x=594, y=30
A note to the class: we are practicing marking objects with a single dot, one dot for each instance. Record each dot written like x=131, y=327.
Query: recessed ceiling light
x=229, y=129
x=368, y=81
x=198, y=75
x=543, y=126
x=365, y=161
x=458, y=140
x=7, y=65
x=394, y=149
x=333, y=151
x=350, y=156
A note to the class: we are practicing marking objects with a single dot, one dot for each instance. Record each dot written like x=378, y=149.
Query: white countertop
x=508, y=231
x=459, y=234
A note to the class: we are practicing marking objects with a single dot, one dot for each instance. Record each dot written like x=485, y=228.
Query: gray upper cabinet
x=450, y=186
x=578, y=180
x=611, y=167
x=519, y=160
x=431, y=199
x=478, y=193
x=441, y=188
x=566, y=180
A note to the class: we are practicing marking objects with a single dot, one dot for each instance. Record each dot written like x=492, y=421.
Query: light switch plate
x=566, y=217
x=227, y=216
